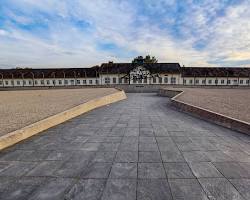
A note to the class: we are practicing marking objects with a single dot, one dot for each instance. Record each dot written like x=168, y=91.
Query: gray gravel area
x=21, y=108
x=230, y=102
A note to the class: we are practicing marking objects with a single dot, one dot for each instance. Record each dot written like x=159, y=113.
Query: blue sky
x=83, y=33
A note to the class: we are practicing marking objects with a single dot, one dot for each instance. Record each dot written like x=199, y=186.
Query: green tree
x=147, y=59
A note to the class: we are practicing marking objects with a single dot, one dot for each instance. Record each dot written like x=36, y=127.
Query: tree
x=147, y=59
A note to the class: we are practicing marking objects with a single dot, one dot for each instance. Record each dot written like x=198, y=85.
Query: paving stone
x=220, y=188
x=148, y=147
x=97, y=170
x=180, y=139
x=21, y=188
x=147, y=140
x=105, y=156
x=70, y=170
x=204, y=169
x=149, y=156
x=54, y=189
x=187, y=189
x=90, y=146
x=218, y=156
x=196, y=156
x=46, y=168
x=151, y=170
x=178, y=170
x=124, y=170
x=233, y=169
x=128, y=147
x=87, y=189
x=155, y=189
x=122, y=189
x=242, y=185
x=131, y=132
x=17, y=168
x=129, y=156
x=109, y=147
x=173, y=155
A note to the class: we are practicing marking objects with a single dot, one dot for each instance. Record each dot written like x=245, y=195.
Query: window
x=1, y=82
x=241, y=81
x=134, y=80
x=54, y=82
x=96, y=82
x=197, y=81
x=6, y=82
x=216, y=81
x=36, y=82
x=165, y=79
x=160, y=79
x=78, y=82
x=12, y=82
x=90, y=82
x=173, y=80
x=24, y=82
x=154, y=80
x=191, y=81
x=84, y=82
x=247, y=82
x=48, y=82
x=222, y=81
x=107, y=80
x=140, y=80
x=114, y=80
x=42, y=82
x=30, y=82
x=204, y=81
x=228, y=82
x=60, y=82
x=145, y=80
x=235, y=81
x=126, y=80
x=66, y=82
x=120, y=80
x=184, y=81
x=210, y=81
x=72, y=82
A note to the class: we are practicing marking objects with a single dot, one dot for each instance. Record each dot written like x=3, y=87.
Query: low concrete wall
x=28, y=131
x=168, y=93
x=219, y=119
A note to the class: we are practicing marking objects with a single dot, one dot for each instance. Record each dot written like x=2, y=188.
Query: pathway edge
x=205, y=114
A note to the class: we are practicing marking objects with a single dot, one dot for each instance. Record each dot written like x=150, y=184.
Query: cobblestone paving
x=135, y=149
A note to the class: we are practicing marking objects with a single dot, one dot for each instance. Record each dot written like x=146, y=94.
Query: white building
x=126, y=73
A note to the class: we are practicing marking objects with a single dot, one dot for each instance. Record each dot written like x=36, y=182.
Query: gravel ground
x=230, y=102
x=21, y=108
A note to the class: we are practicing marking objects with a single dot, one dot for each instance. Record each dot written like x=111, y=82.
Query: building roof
x=50, y=73
x=125, y=68
x=215, y=72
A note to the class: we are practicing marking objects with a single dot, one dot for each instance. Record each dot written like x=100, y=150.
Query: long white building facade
x=126, y=73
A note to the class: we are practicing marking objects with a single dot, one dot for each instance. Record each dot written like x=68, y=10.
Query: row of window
x=49, y=82
x=209, y=81
x=107, y=80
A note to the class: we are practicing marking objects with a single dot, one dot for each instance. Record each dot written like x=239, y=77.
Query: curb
x=16, y=136
x=205, y=114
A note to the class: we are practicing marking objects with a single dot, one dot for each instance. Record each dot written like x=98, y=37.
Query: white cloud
x=64, y=45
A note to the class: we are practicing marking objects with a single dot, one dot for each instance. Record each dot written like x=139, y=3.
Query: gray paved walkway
x=135, y=149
